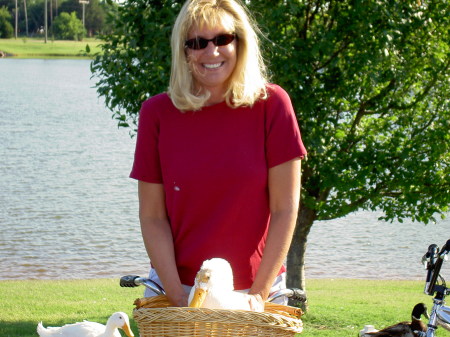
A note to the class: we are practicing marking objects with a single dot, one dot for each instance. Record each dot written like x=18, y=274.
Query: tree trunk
x=296, y=255
x=51, y=14
x=16, y=13
x=26, y=15
x=45, y=20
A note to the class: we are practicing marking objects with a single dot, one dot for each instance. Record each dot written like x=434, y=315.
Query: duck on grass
x=90, y=329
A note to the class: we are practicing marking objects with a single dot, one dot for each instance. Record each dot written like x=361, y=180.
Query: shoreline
x=26, y=48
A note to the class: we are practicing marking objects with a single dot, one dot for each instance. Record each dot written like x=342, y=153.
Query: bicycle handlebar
x=430, y=257
x=135, y=281
x=292, y=293
x=446, y=249
x=435, y=258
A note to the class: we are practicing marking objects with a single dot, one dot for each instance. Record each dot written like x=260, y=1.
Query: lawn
x=37, y=48
x=338, y=308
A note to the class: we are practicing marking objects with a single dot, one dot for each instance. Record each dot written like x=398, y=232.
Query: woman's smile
x=213, y=66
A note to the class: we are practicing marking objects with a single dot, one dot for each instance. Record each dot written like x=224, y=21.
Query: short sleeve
x=146, y=165
x=283, y=139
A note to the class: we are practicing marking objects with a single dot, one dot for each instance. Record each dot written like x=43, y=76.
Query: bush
x=6, y=28
x=68, y=27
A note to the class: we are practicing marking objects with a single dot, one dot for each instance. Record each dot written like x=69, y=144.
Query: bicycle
x=440, y=313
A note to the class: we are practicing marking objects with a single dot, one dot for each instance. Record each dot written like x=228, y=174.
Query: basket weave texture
x=202, y=322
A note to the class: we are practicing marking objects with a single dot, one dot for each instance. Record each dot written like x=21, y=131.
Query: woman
x=217, y=158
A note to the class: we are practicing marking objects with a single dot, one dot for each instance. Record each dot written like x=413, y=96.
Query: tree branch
x=424, y=93
x=304, y=32
x=362, y=111
x=343, y=46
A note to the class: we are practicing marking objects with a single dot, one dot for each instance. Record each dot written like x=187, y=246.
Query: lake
x=69, y=210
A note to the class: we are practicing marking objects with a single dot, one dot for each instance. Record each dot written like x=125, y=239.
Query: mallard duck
x=404, y=329
x=214, y=288
x=90, y=329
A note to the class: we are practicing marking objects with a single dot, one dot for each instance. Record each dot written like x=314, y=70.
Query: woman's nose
x=211, y=48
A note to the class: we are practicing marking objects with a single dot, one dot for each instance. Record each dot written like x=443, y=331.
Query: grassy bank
x=338, y=308
x=37, y=48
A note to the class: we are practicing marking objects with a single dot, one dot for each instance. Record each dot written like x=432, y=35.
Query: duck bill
x=198, y=298
x=127, y=330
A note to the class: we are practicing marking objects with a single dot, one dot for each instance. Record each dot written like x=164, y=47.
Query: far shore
x=37, y=48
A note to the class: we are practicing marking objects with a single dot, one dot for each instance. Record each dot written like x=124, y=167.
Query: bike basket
x=157, y=319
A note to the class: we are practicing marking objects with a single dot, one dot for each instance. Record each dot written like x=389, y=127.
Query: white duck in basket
x=213, y=288
x=90, y=329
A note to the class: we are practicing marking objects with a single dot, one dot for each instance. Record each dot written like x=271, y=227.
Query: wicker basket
x=165, y=321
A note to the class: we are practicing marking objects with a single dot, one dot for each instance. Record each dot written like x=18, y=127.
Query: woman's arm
x=284, y=193
x=158, y=240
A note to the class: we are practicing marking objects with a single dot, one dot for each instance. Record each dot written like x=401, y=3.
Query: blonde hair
x=248, y=81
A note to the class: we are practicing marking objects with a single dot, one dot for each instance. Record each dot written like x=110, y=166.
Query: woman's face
x=213, y=65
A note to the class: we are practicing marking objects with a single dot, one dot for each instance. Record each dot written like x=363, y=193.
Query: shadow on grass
x=15, y=329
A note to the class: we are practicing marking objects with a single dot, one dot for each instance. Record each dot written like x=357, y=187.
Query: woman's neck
x=217, y=95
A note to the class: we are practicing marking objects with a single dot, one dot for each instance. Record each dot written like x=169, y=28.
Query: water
x=67, y=206
x=360, y=246
x=69, y=210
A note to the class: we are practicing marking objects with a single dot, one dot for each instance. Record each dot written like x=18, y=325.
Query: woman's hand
x=256, y=302
x=178, y=300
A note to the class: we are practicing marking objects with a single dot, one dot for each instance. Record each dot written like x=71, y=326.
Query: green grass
x=336, y=307
x=37, y=48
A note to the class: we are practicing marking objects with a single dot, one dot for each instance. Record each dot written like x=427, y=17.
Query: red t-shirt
x=214, y=165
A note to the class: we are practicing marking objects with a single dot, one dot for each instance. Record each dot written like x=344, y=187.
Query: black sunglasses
x=201, y=43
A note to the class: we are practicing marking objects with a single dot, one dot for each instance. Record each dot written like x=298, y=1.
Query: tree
x=35, y=10
x=369, y=83
x=95, y=13
x=70, y=6
x=68, y=27
x=95, y=17
x=31, y=14
x=6, y=28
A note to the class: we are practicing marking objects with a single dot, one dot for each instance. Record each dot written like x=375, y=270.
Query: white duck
x=214, y=289
x=90, y=329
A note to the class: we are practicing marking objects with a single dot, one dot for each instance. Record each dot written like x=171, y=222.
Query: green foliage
x=368, y=80
x=136, y=59
x=68, y=27
x=95, y=14
x=94, y=17
x=6, y=28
